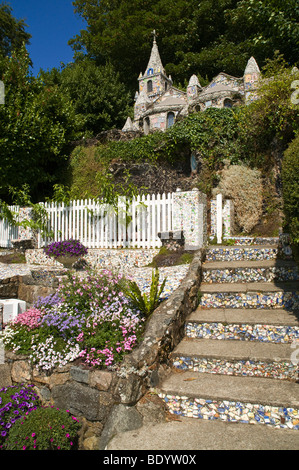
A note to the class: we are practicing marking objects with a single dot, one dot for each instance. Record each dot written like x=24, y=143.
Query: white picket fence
x=97, y=225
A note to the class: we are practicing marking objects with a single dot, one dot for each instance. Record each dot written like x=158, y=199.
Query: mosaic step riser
x=242, y=332
x=250, y=275
x=241, y=254
x=231, y=411
x=286, y=300
x=274, y=370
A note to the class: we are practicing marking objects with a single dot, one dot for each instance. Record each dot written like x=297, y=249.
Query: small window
x=170, y=119
x=146, y=126
x=149, y=86
x=150, y=71
x=166, y=86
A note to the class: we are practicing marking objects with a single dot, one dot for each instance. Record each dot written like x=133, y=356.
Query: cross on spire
x=154, y=34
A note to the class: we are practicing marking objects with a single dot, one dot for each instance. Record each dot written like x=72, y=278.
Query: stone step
x=236, y=358
x=238, y=253
x=232, y=398
x=250, y=295
x=266, y=325
x=250, y=271
x=198, y=434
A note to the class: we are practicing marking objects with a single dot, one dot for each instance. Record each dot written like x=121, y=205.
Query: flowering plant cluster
x=26, y=425
x=46, y=428
x=88, y=318
x=73, y=248
x=15, y=402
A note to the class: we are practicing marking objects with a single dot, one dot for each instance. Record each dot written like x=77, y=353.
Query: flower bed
x=89, y=318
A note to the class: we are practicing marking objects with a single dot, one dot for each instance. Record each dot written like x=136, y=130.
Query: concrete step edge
x=234, y=350
x=276, y=317
x=249, y=287
x=252, y=390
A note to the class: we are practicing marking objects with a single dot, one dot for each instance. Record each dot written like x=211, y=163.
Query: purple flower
x=66, y=247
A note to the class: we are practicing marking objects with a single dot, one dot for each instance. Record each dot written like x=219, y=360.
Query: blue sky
x=51, y=23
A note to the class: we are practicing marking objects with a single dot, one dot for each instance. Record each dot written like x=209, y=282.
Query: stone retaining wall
x=110, y=401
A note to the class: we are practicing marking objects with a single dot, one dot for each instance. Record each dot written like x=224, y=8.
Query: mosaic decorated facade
x=158, y=103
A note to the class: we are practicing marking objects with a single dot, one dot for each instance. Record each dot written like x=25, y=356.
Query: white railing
x=8, y=232
x=97, y=225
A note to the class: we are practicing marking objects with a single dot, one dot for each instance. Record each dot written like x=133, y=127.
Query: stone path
x=234, y=381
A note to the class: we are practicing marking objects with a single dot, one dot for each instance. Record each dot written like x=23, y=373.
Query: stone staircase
x=238, y=361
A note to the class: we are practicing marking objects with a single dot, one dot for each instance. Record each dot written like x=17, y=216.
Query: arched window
x=170, y=119
x=227, y=103
x=150, y=71
x=149, y=86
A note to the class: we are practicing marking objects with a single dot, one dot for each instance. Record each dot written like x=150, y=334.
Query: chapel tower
x=154, y=82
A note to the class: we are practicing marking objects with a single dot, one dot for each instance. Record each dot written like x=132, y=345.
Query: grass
x=167, y=257
x=13, y=258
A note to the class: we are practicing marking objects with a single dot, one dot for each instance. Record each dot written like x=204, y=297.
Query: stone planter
x=67, y=261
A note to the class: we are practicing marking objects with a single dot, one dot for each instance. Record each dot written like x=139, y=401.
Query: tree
x=12, y=31
x=37, y=123
x=97, y=93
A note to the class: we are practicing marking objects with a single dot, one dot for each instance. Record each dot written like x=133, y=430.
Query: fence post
x=190, y=216
x=26, y=233
x=228, y=218
x=219, y=218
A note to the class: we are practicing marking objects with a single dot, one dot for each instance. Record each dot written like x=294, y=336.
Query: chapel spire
x=155, y=63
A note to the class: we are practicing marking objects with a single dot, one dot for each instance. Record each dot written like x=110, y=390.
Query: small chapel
x=158, y=104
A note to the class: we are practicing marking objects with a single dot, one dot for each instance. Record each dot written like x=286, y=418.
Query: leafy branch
x=142, y=302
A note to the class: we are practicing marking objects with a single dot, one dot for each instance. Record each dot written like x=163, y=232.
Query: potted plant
x=66, y=252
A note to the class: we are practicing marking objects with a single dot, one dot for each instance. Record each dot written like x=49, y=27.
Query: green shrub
x=44, y=429
x=290, y=184
x=142, y=302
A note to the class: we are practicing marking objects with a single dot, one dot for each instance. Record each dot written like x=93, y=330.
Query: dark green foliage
x=98, y=95
x=12, y=31
x=290, y=181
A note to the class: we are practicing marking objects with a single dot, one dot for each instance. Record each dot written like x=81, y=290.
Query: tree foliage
x=12, y=31
x=97, y=94
x=36, y=125
x=194, y=37
x=290, y=180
